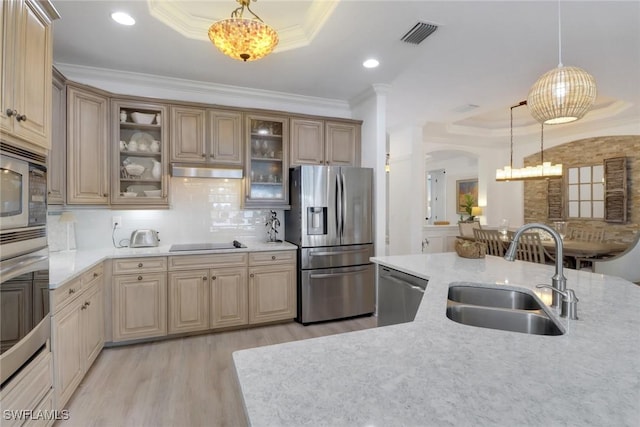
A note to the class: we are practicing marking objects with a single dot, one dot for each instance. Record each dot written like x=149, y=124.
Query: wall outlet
x=116, y=222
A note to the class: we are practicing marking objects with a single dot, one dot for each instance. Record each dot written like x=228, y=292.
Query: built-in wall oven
x=24, y=259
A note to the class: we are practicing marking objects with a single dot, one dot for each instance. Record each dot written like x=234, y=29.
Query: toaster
x=143, y=239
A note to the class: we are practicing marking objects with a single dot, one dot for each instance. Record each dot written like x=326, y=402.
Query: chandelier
x=562, y=95
x=544, y=170
x=245, y=39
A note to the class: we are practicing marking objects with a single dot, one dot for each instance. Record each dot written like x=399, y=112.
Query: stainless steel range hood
x=203, y=171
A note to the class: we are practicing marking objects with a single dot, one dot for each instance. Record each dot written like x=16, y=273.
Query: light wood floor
x=187, y=382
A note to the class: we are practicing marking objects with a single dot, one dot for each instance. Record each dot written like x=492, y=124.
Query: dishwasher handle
x=404, y=283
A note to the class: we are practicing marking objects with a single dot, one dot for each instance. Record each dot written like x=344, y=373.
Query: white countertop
x=436, y=372
x=66, y=265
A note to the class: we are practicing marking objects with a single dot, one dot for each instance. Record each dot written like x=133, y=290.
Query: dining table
x=583, y=249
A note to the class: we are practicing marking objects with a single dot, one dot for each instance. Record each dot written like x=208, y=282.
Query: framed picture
x=464, y=187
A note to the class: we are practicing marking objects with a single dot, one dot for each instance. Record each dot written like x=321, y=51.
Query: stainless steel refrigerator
x=331, y=222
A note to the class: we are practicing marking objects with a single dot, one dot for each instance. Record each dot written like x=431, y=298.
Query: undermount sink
x=503, y=309
x=491, y=297
x=528, y=322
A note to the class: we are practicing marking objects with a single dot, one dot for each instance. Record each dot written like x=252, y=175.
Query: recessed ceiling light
x=370, y=63
x=123, y=18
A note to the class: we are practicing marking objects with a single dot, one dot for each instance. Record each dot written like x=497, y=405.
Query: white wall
x=406, y=191
x=371, y=109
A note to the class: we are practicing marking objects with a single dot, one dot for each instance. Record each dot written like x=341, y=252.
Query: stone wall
x=583, y=152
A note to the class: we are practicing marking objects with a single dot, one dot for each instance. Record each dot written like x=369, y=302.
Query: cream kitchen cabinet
x=139, y=172
x=207, y=291
x=87, y=146
x=188, y=301
x=139, y=299
x=57, y=158
x=206, y=136
x=319, y=142
x=77, y=331
x=26, y=55
x=228, y=297
x=267, y=166
x=272, y=286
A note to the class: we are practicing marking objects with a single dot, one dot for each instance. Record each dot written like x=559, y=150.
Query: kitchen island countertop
x=436, y=372
x=66, y=265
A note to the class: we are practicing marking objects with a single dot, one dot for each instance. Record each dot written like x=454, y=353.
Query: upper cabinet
x=202, y=135
x=87, y=146
x=139, y=145
x=319, y=142
x=26, y=52
x=267, y=168
x=56, y=161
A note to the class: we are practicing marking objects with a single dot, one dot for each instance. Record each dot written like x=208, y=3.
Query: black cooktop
x=205, y=246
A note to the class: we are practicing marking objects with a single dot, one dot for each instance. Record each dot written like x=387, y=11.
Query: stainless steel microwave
x=23, y=201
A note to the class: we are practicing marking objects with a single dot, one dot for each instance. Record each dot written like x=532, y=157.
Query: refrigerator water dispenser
x=317, y=220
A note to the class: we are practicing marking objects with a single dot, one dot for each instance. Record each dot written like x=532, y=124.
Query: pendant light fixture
x=544, y=170
x=564, y=94
x=244, y=39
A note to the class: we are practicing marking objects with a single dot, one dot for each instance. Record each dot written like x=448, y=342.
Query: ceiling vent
x=419, y=32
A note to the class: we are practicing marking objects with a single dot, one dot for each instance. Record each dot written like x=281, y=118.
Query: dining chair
x=626, y=264
x=529, y=247
x=495, y=245
x=466, y=228
x=585, y=235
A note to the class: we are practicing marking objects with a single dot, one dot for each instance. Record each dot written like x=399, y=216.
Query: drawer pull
x=72, y=291
x=139, y=277
x=273, y=257
x=139, y=265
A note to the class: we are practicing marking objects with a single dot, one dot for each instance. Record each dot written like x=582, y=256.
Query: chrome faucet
x=558, y=281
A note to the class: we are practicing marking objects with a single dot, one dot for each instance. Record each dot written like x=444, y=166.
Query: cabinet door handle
x=139, y=265
x=72, y=291
x=204, y=278
x=21, y=117
x=83, y=307
x=273, y=257
x=251, y=275
x=139, y=277
x=213, y=277
x=87, y=303
x=204, y=155
x=212, y=156
x=105, y=195
x=11, y=112
x=95, y=275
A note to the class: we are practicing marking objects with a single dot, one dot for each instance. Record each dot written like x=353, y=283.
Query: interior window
x=585, y=192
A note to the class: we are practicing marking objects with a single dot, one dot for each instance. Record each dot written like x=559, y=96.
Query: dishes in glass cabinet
x=140, y=141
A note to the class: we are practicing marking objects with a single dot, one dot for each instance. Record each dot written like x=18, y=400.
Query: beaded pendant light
x=244, y=39
x=562, y=95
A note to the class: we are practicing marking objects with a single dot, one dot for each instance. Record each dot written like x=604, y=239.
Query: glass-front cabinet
x=140, y=148
x=267, y=177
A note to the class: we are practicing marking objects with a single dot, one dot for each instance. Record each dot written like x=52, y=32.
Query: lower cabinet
x=139, y=306
x=77, y=331
x=272, y=286
x=207, y=291
x=188, y=301
x=228, y=297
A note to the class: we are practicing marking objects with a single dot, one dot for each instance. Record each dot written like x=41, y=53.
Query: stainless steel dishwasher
x=399, y=296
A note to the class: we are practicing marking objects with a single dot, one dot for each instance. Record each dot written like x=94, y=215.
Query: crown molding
x=154, y=86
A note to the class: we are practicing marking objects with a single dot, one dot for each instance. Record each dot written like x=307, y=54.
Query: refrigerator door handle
x=330, y=275
x=342, y=204
x=338, y=207
x=354, y=251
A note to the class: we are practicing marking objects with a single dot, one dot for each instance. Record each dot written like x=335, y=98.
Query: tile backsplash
x=201, y=210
